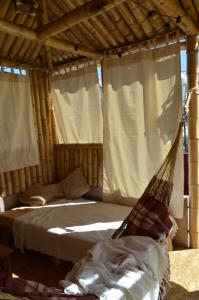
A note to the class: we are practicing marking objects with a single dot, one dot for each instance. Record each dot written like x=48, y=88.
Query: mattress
x=7, y=217
x=66, y=229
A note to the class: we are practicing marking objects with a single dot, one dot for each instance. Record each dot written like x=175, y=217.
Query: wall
x=88, y=157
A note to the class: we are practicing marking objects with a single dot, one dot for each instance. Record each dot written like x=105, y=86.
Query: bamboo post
x=42, y=103
x=192, y=62
x=15, y=181
x=22, y=181
x=76, y=158
x=100, y=167
x=62, y=165
x=33, y=171
x=71, y=159
x=81, y=159
x=94, y=163
x=8, y=182
x=90, y=167
x=66, y=161
x=39, y=127
x=3, y=184
x=28, y=179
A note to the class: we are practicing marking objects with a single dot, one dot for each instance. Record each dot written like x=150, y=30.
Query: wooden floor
x=38, y=267
x=184, y=271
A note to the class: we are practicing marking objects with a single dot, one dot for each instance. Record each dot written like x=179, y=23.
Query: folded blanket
x=129, y=268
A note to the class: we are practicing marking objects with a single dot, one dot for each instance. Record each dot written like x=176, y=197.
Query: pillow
x=74, y=185
x=95, y=193
x=33, y=196
x=38, y=194
x=51, y=192
x=149, y=217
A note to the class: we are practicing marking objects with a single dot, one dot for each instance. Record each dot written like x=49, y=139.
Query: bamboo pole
x=121, y=24
x=174, y=8
x=33, y=171
x=8, y=182
x=29, y=34
x=100, y=167
x=95, y=167
x=76, y=158
x=66, y=162
x=39, y=126
x=62, y=165
x=49, y=113
x=89, y=167
x=192, y=62
x=36, y=171
x=76, y=16
x=3, y=184
x=22, y=181
x=28, y=179
x=15, y=181
x=44, y=123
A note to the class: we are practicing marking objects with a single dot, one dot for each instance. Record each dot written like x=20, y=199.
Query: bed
x=64, y=229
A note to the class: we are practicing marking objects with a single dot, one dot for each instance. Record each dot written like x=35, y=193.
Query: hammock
x=150, y=215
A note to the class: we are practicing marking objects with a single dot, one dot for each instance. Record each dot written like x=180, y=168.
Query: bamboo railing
x=88, y=157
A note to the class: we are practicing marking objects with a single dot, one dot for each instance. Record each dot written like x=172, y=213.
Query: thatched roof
x=83, y=28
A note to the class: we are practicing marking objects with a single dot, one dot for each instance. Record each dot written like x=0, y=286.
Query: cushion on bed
x=32, y=196
x=51, y=192
x=149, y=217
x=95, y=193
x=74, y=185
x=38, y=194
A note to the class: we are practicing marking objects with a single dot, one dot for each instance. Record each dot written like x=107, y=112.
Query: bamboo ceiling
x=72, y=29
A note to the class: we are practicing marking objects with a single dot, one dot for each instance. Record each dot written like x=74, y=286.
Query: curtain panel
x=17, y=132
x=77, y=105
x=142, y=109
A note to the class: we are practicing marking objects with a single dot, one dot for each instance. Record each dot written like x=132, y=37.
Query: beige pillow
x=75, y=185
x=51, y=192
x=39, y=194
x=33, y=196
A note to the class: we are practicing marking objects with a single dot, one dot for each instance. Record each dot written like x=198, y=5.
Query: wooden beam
x=42, y=19
x=172, y=8
x=16, y=64
x=76, y=16
x=29, y=34
x=192, y=79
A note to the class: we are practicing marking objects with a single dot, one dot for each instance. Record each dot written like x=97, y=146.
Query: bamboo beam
x=12, y=63
x=172, y=8
x=76, y=16
x=192, y=61
x=29, y=34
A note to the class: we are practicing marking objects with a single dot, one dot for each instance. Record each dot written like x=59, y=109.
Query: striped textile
x=149, y=217
x=36, y=291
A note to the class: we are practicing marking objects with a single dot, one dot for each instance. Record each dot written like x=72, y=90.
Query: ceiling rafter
x=76, y=16
x=172, y=8
x=29, y=34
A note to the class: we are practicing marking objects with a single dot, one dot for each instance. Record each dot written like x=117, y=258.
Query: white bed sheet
x=66, y=229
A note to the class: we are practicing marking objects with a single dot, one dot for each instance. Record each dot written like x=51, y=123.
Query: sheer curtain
x=77, y=105
x=17, y=132
x=142, y=109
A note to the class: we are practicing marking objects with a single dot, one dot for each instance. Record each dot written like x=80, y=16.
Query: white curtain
x=142, y=109
x=18, y=143
x=77, y=105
